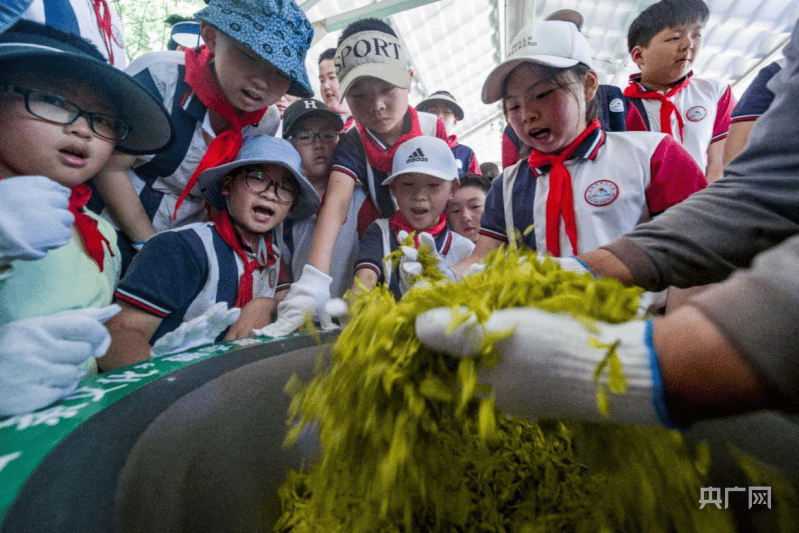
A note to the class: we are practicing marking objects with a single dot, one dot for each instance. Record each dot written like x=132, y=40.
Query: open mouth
x=418, y=211
x=263, y=213
x=74, y=155
x=538, y=134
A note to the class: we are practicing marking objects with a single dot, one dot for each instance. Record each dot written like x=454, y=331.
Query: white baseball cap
x=553, y=43
x=371, y=53
x=425, y=155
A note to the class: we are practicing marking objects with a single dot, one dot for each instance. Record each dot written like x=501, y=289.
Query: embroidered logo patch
x=602, y=192
x=696, y=113
x=616, y=105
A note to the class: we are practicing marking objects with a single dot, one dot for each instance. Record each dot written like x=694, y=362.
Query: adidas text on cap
x=371, y=53
x=553, y=43
x=424, y=155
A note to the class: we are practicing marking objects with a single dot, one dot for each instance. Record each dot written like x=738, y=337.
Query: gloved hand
x=42, y=358
x=409, y=262
x=547, y=365
x=196, y=332
x=569, y=264
x=33, y=217
x=309, y=294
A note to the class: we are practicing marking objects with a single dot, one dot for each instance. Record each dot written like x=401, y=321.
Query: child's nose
x=80, y=127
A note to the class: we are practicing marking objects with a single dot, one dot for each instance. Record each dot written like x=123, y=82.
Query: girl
x=581, y=186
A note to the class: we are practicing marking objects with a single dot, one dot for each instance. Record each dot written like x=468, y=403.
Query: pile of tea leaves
x=411, y=442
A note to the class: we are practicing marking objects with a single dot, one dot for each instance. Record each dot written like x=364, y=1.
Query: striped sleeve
x=721, y=128
x=674, y=176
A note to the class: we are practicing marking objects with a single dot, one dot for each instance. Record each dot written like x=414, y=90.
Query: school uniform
x=180, y=274
x=351, y=158
x=700, y=116
x=758, y=97
x=381, y=239
x=465, y=158
x=79, y=17
x=159, y=180
x=617, y=181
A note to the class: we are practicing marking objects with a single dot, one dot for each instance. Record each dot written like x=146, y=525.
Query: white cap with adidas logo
x=425, y=155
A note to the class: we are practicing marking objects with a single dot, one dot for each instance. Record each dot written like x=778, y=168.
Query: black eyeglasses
x=308, y=137
x=257, y=182
x=53, y=108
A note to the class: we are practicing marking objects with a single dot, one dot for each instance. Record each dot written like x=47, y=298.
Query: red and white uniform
x=704, y=108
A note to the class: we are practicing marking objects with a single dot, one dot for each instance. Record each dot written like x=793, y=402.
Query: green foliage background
x=144, y=22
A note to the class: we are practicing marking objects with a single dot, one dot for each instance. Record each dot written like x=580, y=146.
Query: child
x=254, y=53
x=328, y=86
x=63, y=109
x=180, y=274
x=612, y=106
x=466, y=207
x=664, y=41
x=375, y=83
x=581, y=187
x=424, y=179
x=443, y=105
x=312, y=128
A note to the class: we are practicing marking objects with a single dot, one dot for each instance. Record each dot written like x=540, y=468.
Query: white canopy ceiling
x=453, y=44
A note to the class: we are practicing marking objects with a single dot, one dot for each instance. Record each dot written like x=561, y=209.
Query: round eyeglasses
x=257, y=182
x=308, y=137
x=53, y=108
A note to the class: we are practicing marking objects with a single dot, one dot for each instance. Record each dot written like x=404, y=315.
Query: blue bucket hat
x=11, y=11
x=255, y=151
x=276, y=30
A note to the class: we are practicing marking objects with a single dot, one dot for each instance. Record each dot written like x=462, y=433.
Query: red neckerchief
x=378, y=158
x=560, y=202
x=226, y=145
x=103, y=14
x=224, y=226
x=87, y=226
x=399, y=222
x=667, y=107
x=452, y=141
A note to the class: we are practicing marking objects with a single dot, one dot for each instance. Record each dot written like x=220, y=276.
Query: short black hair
x=475, y=180
x=662, y=15
x=330, y=53
x=370, y=24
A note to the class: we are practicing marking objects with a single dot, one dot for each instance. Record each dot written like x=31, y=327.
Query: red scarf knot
x=560, y=201
x=376, y=155
x=398, y=222
x=224, y=226
x=452, y=141
x=87, y=226
x=226, y=145
x=667, y=107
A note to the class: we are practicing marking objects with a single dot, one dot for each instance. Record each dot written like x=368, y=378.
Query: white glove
x=42, y=359
x=569, y=264
x=409, y=262
x=33, y=217
x=546, y=366
x=198, y=331
x=309, y=294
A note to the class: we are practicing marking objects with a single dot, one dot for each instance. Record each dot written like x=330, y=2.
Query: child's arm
x=715, y=161
x=131, y=331
x=120, y=197
x=332, y=216
x=256, y=314
x=484, y=245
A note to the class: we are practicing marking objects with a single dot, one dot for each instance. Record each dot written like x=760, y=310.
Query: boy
x=180, y=274
x=312, y=130
x=328, y=86
x=375, y=83
x=424, y=179
x=63, y=110
x=254, y=53
x=664, y=41
x=443, y=105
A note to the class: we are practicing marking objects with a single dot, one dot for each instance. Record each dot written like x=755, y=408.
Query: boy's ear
x=455, y=186
x=637, y=55
x=410, y=79
x=591, y=85
x=226, y=185
x=208, y=34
